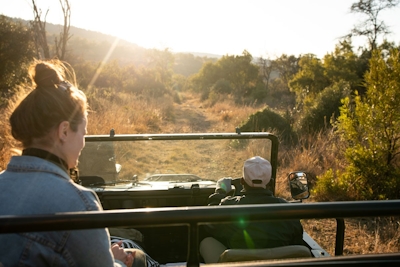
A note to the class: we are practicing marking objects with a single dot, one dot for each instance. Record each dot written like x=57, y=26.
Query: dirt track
x=190, y=116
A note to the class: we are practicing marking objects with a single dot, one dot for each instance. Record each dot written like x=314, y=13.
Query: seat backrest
x=285, y=252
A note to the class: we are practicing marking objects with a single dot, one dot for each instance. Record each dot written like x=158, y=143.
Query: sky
x=267, y=28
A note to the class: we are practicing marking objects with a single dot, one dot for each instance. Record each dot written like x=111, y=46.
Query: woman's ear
x=63, y=128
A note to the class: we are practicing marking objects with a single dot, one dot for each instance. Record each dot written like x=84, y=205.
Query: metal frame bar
x=195, y=136
x=195, y=216
x=340, y=227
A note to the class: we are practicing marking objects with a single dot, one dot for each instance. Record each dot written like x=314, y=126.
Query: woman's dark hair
x=52, y=101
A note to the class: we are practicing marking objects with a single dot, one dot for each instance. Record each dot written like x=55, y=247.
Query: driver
x=248, y=235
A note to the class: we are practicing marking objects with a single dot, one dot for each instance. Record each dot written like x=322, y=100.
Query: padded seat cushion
x=286, y=252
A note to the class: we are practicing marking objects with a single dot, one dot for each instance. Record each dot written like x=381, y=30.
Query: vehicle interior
x=180, y=170
x=154, y=190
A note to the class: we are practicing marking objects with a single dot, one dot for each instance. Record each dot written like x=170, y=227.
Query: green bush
x=325, y=109
x=259, y=93
x=17, y=51
x=268, y=120
x=331, y=186
x=369, y=130
x=222, y=86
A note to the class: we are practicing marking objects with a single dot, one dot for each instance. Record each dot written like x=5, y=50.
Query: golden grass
x=128, y=114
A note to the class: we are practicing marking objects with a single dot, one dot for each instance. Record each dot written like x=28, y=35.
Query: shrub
x=325, y=109
x=259, y=93
x=332, y=186
x=369, y=128
x=222, y=86
x=268, y=120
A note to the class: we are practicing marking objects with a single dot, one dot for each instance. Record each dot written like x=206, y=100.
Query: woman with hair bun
x=50, y=122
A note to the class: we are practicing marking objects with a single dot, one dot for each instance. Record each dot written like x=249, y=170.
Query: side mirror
x=298, y=185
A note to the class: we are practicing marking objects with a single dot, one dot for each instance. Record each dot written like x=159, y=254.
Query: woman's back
x=36, y=186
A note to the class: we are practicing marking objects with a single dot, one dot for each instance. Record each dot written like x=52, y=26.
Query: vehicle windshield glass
x=168, y=160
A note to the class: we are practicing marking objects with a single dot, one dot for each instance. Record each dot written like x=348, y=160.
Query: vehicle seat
x=285, y=252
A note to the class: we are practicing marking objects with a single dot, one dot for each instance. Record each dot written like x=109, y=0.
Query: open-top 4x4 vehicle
x=155, y=188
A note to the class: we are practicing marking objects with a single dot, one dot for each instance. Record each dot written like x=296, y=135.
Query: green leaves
x=370, y=126
x=235, y=75
x=16, y=51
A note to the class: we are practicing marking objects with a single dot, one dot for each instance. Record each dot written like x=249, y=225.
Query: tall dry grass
x=127, y=113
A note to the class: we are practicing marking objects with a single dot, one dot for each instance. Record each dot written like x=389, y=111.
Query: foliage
x=370, y=128
x=188, y=64
x=268, y=120
x=344, y=65
x=332, y=186
x=309, y=81
x=319, y=86
x=279, y=92
x=238, y=71
x=161, y=62
x=287, y=67
x=222, y=86
x=259, y=93
x=16, y=52
x=144, y=82
x=206, y=77
x=324, y=110
x=179, y=82
x=280, y=96
x=276, y=75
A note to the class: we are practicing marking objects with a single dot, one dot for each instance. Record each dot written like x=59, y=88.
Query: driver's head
x=257, y=172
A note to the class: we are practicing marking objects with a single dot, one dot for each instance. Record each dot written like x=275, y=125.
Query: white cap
x=257, y=172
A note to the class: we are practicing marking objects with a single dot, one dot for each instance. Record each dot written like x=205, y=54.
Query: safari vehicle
x=158, y=185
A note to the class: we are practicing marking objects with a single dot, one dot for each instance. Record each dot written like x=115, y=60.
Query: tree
x=282, y=70
x=187, y=64
x=324, y=109
x=39, y=30
x=341, y=76
x=16, y=52
x=162, y=62
x=61, y=43
x=343, y=65
x=271, y=121
x=238, y=71
x=372, y=27
x=203, y=81
x=40, y=35
x=309, y=81
x=287, y=66
x=370, y=128
x=267, y=66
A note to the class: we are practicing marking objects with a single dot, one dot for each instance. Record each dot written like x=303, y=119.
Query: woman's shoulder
x=84, y=195
x=29, y=165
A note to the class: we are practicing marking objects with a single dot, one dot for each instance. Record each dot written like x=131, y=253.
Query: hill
x=95, y=46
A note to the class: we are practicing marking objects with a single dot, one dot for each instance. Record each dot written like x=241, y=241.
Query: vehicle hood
x=153, y=185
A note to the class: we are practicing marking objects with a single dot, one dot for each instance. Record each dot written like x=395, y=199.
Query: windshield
x=150, y=160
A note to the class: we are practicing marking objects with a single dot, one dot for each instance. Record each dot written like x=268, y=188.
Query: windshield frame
x=194, y=136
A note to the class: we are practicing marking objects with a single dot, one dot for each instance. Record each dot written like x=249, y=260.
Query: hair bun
x=46, y=75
